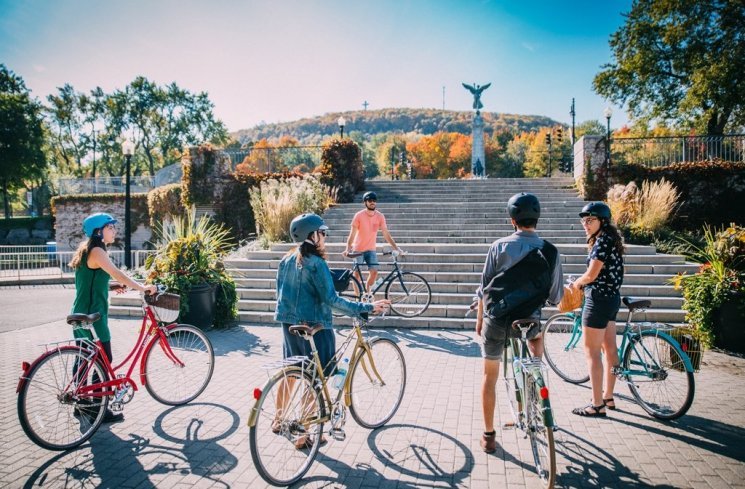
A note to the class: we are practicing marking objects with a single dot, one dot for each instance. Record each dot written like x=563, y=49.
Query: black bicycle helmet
x=596, y=209
x=304, y=224
x=524, y=206
x=370, y=196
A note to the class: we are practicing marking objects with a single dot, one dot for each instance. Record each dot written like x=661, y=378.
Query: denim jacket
x=305, y=293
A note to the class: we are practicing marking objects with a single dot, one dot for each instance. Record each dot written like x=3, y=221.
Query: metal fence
x=277, y=159
x=663, y=151
x=105, y=185
x=19, y=263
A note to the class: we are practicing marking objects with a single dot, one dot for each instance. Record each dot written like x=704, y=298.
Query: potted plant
x=189, y=261
x=714, y=297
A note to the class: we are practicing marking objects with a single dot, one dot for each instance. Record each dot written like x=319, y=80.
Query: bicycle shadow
x=708, y=434
x=592, y=466
x=455, y=342
x=115, y=461
x=237, y=339
x=386, y=445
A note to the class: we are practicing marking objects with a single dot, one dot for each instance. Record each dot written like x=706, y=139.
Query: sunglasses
x=323, y=232
x=588, y=220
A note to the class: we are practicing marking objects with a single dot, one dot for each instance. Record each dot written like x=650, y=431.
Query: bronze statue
x=476, y=91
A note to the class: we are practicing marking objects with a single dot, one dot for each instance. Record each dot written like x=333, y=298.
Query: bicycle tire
x=353, y=292
x=564, y=351
x=47, y=386
x=367, y=395
x=413, y=299
x=170, y=383
x=274, y=455
x=540, y=431
x=669, y=394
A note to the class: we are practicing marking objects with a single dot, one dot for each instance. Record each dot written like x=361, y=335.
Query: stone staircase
x=446, y=226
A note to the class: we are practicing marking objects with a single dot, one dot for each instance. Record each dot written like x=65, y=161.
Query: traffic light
x=558, y=135
x=548, y=138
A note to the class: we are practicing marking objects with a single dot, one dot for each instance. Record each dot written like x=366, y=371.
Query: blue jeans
x=370, y=258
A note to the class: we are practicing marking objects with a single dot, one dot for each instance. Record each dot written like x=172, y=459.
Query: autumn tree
x=680, y=61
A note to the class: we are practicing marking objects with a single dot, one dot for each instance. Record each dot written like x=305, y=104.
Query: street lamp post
x=127, y=151
x=607, y=113
x=342, y=122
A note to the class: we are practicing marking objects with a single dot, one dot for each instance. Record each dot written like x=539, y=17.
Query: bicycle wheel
x=563, y=348
x=178, y=376
x=375, y=397
x=52, y=412
x=287, y=411
x=353, y=292
x=540, y=431
x=409, y=293
x=654, y=366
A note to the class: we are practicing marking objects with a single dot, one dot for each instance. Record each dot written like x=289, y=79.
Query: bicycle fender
x=548, y=416
x=686, y=359
x=24, y=375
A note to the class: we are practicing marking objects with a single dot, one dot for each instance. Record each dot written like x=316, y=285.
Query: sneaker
x=112, y=417
x=489, y=442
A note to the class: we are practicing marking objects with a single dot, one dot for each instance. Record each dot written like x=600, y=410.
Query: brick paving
x=431, y=442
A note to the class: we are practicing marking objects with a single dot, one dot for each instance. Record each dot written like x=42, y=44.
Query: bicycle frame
x=529, y=366
x=361, y=347
x=150, y=332
x=392, y=275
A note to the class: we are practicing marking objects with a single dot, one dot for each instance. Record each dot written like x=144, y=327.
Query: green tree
x=21, y=136
x=681, y=61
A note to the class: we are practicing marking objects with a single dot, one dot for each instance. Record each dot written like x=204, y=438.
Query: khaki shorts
x=494, y=334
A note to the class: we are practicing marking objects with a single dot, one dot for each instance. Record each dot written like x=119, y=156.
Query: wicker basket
x=690, y=344
x=165, y=306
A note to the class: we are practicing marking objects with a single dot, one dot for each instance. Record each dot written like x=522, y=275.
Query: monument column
x=478, y=154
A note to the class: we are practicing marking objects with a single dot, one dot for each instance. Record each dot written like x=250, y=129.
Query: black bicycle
x=409, y=292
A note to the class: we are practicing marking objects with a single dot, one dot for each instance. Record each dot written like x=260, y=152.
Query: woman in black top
x=602, y=283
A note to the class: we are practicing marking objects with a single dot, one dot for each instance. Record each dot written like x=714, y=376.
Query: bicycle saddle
x=524, y=323
x=634, y=305
x=304, y=329
x=76, y=318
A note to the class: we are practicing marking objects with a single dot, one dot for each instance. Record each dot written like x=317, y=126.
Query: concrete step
x=457, y=249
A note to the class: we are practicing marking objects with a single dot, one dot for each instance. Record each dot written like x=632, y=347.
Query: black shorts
x=293, y=345
x=599, y=310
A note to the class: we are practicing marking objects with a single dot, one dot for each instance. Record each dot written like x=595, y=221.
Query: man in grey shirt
x=524, y=210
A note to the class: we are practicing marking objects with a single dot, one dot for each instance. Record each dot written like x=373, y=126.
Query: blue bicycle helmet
x=96, y=221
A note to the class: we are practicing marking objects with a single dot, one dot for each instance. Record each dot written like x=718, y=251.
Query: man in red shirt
x=362, y=237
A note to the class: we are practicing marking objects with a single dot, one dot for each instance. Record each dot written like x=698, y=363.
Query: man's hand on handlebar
x=382, y=306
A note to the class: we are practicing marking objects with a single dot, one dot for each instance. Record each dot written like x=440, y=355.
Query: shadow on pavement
x=453, y=342
x=592, y=466
x=196, y=427
x=430, y=466
x=236, y=339
x=711, y=435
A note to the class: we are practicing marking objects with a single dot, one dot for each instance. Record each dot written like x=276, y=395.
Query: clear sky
x=281, y=60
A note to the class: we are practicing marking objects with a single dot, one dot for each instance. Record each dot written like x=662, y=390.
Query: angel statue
x=476, y=91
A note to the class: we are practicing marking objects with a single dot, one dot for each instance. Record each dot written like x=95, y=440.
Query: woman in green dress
x=93, y=270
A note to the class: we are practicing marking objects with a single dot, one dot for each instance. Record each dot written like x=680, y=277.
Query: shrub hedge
x=341, y=167
x=164, y=201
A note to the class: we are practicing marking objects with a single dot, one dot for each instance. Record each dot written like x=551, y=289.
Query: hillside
x=416, y=121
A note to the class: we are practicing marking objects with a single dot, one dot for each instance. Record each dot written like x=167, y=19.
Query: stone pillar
x=589, y=166
x=477, y=151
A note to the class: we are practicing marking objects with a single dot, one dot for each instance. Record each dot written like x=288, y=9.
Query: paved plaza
x=431, y=442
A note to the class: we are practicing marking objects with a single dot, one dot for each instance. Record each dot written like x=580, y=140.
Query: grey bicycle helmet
x=370, y=196
x=597, y=209
x=304, y=224
x=524, y=206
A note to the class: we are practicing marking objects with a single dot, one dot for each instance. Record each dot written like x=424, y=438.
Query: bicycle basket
x=690, y=344
x=165, y=306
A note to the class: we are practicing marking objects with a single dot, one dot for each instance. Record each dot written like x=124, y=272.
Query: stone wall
x=70, y=211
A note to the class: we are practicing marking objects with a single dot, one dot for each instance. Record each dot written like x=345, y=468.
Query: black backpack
x=520, y=290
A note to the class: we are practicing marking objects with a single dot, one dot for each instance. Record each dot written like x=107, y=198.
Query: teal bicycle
x=653, y=364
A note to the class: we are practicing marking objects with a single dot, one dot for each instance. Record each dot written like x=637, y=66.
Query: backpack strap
x=551, y=253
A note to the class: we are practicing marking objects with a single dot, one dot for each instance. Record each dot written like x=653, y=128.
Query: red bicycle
x=63, y=395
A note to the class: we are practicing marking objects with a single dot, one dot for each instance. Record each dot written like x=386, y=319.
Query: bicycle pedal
x=116, y=407
x=338, y=434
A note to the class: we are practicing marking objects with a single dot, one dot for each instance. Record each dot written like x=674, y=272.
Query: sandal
x=595, y=413
x=276, y=426
x=609, y=406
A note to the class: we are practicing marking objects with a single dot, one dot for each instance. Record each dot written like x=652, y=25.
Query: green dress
x=92, y=295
